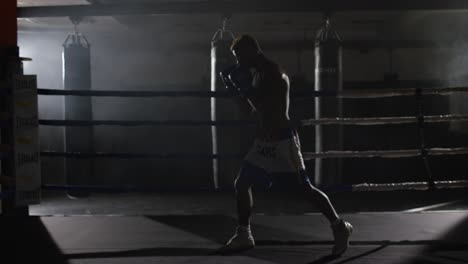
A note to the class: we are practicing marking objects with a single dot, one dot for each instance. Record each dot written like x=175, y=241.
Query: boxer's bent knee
x=304, y=179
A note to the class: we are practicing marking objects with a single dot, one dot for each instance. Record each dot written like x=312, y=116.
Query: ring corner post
x=10, y=67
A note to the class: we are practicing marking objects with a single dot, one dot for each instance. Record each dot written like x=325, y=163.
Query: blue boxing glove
x=238, y=79
x=242, y=79
x=227, y=81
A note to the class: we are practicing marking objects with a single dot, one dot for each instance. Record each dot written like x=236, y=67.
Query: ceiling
x=361, y=25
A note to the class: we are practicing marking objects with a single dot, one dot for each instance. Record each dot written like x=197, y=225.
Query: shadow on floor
x=26, y=240
x=145, y=252
x=451, y=246
x=218, y=228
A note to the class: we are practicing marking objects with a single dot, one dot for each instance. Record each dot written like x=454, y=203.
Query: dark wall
x=137, y=62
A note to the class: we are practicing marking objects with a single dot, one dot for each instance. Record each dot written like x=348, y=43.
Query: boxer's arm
x=245, y=105
x=238, y=81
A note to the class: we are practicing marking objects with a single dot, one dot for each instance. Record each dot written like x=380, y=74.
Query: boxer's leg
x=248, y=176
x=243, y=186
x=341, y=229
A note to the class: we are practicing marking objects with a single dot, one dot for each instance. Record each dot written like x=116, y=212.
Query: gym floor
x=389, y=227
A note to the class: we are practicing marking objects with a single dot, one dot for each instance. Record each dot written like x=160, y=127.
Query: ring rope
x=83, y=155
x=301, y=123
x=351, y=94
x=385, y=153
x=379, y=93
x=307, y=155
x=409, y=186
x=143, y=123
x=382, y=120
x=355, y=187
x=147, y=94
x=361, y=187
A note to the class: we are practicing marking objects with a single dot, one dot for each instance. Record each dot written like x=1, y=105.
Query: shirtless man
x=264, y=88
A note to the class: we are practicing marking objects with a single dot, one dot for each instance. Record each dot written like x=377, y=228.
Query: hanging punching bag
x=328, y=77
x=77, y=76
x=227, y=141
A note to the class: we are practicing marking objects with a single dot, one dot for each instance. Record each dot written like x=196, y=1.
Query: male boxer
x=264, y=88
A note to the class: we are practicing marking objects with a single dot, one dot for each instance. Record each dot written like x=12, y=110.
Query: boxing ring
x=179, y=228
x=420, y=120
x=121, y=224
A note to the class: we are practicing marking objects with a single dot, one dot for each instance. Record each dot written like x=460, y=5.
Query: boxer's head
x=246, y=50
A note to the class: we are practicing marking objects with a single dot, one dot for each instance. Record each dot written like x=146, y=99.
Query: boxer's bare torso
x=270, y=100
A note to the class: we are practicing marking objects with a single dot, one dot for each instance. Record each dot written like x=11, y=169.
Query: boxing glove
x=228, y=84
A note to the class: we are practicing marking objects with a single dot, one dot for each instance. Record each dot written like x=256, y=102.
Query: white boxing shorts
x=282, y=156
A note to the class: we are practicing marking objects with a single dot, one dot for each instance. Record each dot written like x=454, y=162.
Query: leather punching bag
x=328, y=77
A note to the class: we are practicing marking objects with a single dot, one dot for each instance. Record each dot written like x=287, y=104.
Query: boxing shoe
x=242, y=240
x=342, y=230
